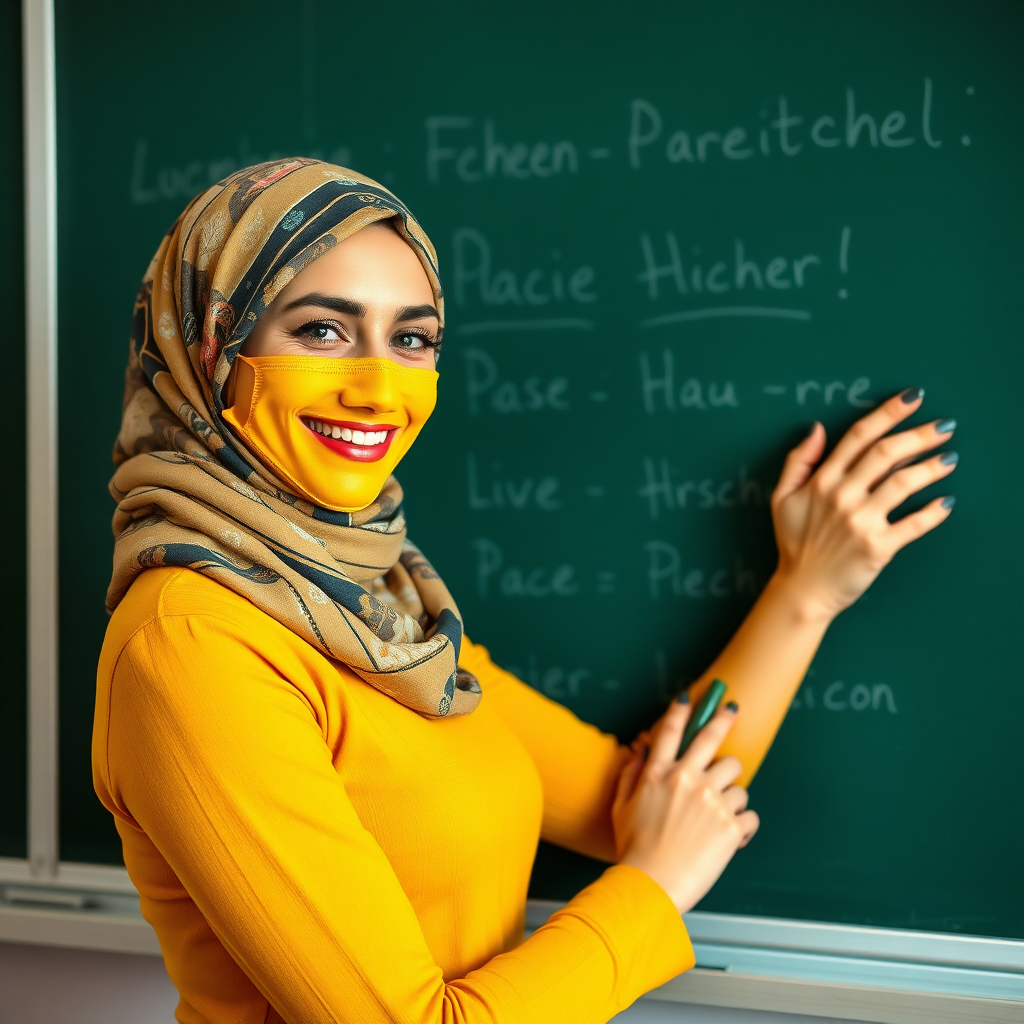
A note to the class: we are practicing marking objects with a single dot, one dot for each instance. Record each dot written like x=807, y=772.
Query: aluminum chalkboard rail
x=870, y=960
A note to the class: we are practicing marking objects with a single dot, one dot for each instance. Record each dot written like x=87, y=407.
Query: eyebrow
x=416, y=312
x=335, y=302
x=349, y=306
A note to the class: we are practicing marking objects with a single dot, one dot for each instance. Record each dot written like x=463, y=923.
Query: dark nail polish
x=945, y=426
x=911, y=395
x=813, y=427
x=949, y=458
x=949, y=501
x=733, y=706
x=683, y=698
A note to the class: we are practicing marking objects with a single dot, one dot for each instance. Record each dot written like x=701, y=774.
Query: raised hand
x=832, y=523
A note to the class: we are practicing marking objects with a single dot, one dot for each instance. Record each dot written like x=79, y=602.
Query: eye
x=414, y=341
x=319, y=332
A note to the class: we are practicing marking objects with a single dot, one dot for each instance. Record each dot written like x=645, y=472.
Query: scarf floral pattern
x=190, y=494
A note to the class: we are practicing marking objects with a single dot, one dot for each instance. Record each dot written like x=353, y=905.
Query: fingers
x=642, y=740
x=891, y=452
x=800, y=463
x=705, y=744
x=723, y=772
x=892, y=492
x=867, y=430
x=749, y=823
x=735, y=799
x=917, y=524
x=669, y=734
x=628, y=778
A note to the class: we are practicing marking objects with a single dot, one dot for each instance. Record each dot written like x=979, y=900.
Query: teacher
x=329, y=798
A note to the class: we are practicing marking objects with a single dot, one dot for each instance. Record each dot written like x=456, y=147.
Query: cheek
x=271, y=337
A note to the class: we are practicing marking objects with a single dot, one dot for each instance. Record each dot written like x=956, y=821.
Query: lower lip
x=357, y=452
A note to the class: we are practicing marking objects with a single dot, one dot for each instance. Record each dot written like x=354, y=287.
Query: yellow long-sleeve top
x=309, y=850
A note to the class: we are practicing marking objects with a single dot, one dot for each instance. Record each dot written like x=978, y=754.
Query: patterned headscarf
x=190, y=494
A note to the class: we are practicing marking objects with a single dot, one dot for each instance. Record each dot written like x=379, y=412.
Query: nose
x=372, y=389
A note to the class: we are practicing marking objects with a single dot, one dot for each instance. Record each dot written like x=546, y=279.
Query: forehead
x=376, y=257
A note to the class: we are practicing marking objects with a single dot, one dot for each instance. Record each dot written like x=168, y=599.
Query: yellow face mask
x=332, y=429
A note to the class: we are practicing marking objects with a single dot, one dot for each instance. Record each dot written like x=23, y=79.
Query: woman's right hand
x=681, y=821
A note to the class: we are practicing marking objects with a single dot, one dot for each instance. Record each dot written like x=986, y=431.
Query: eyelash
x=305, y=333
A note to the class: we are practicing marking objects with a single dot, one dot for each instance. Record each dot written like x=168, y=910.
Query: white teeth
x=366, y=438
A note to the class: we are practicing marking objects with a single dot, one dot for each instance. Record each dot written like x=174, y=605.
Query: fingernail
x=683, y=698
x=733, y=706
x=813, y=428
x=949, y=501
x=645, y=752
x=949, y=458
x=912, y=395
x=945, y=427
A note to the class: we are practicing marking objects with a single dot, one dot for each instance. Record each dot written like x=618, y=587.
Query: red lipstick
x=349, y=449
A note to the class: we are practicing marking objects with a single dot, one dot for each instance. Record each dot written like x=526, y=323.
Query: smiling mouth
x=361, y=442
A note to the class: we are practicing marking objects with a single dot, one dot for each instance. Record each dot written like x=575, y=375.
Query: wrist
x=798, y=600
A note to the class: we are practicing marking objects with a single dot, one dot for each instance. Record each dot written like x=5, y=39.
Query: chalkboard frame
x=96, y=907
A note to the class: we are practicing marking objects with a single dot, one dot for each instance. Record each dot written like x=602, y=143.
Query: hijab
x=189, y=492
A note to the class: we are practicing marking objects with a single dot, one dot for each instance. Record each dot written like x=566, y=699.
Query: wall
x=48, y=985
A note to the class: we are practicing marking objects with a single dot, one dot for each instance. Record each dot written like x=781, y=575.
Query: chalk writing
x=494, y=490
x=663, y=491
x=811, y=391
x=736, y=272
x=839, y=696
x=661, y=390
x=787, y=134
x=552, y=680
x=486, y=389
x=185, y=180
x=448, y=147
x=667, y=575
x=477, y=280
x=494, y=577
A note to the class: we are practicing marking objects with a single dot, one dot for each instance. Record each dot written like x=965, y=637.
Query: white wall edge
x=40, y=132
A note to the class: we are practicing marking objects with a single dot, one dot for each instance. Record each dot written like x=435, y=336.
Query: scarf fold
x=190, y=494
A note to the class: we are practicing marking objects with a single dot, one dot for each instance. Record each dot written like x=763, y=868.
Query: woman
x=329, y=799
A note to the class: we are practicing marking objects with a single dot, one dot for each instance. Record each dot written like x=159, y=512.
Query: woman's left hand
x=832, y=523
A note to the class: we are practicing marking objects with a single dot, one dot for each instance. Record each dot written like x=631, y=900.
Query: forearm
x=763, y=666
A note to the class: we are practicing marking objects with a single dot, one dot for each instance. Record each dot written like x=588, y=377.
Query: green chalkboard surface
x=13, y=731
x=671, y=236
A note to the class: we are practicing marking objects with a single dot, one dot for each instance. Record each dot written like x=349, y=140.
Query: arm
x=834, y=538
x=577, y=763
x=205, y=745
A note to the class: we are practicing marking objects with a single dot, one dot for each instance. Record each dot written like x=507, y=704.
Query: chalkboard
x=13, y=730
x=671, y=236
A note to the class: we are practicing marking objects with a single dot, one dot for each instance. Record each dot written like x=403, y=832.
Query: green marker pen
x=702, y=714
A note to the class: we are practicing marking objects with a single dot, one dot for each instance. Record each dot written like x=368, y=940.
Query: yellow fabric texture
x=287, y=389
x=310, y=850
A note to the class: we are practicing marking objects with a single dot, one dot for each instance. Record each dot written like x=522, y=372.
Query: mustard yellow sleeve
x=578, y=764
x=205, y=745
